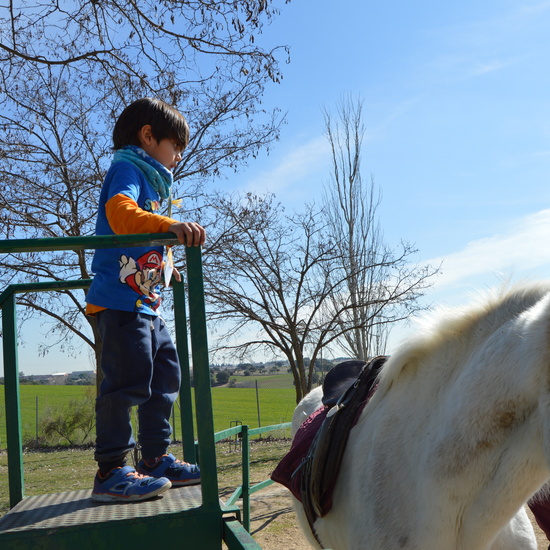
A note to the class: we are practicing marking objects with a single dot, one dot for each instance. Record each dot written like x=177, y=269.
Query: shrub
x=72, y=422
x=222, y=377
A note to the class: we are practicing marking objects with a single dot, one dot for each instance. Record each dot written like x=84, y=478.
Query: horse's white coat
x=455, y=440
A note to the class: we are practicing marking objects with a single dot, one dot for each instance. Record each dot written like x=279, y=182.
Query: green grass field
x=37, y=399
x=276, y=405
x=230, y=404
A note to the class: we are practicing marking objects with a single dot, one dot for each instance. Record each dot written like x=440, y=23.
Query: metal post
x=174, y=434
x=186, y=405
x=36, y=419
x=201, y=377
x=246, y=477
x=13, y=401
x=258, y=407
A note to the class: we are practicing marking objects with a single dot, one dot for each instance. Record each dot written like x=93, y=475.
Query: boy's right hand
x=189, y=233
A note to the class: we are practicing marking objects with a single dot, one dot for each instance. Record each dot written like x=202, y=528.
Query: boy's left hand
x=176, y=274
x=169, y=270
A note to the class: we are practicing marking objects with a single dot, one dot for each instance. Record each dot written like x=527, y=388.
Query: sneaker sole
x=111, y=497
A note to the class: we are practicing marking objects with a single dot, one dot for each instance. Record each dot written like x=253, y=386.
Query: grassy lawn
x=271, y=405
x=276, y=405
x=36, y=400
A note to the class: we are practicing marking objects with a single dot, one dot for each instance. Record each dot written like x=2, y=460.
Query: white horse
x=455, y=440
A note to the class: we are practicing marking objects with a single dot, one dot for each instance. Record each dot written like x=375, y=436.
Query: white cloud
x=294, y=169
x=534, y=9
x=521, y=252
x=523, y=248
x=482, y=68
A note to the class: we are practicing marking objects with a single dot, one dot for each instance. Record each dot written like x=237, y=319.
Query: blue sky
x=457, y=109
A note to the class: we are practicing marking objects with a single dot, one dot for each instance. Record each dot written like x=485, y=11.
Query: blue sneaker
x=168, y=466
x=125, y=484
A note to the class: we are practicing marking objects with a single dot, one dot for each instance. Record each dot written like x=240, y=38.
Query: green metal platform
x=60, y=520
x=189, y=517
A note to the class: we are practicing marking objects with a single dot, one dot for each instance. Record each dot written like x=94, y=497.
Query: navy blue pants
x=140, y=367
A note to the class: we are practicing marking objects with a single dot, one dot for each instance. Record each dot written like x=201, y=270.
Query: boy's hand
x=176, y=274
x=189, y=233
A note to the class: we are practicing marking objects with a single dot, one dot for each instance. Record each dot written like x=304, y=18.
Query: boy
x=139, y=360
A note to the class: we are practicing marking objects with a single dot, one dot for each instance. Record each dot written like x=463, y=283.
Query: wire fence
x=259, y=401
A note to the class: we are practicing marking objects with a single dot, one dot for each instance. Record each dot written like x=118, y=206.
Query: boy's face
x=166, y=151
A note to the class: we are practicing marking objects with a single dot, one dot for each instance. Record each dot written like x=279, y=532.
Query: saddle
x=346, y=390
x=322, y=463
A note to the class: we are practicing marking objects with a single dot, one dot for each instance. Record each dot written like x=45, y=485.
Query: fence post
x=246, y=477
x=36, y=419
x=13, y=400
x=174, y=435
x=258, y=406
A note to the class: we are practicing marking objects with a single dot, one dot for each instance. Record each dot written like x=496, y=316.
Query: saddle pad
x=288, y=471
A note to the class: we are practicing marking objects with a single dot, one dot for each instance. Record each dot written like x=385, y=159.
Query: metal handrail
x=199, y=347
x=89, y=242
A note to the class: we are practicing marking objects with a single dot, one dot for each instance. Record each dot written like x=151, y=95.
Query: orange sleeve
x=126, y=218
x=92, y=310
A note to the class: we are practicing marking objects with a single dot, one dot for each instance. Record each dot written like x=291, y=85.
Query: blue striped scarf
x=157, y=175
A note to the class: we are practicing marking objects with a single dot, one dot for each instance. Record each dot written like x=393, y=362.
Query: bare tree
x=137, y=39
x=51, y=168
x=382, y=287
x=321, y=278
x=265, y=281
x=272, y=281
x=66, y=71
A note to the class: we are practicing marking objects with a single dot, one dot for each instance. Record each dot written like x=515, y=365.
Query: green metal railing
x=11, y=377
x=235, y=535
x=245, y=490
x=199, y=350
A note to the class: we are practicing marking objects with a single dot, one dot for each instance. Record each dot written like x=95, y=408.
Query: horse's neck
x=486, y=397
x=495, y=383
x=503, y=344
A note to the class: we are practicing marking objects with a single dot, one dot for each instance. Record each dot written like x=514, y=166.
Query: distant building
x=58, y=378
x=81, y=377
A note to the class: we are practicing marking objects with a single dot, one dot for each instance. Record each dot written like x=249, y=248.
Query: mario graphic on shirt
x=142, y=276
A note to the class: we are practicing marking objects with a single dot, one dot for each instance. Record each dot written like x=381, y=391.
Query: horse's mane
x=447, y=332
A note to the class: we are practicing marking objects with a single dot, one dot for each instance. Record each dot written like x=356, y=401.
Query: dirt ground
x=274, y=525
x=541, y=537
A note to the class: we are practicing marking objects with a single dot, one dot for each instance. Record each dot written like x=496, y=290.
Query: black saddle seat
x=339, y=379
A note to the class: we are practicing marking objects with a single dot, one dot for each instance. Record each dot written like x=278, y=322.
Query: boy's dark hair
x=165, y=122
